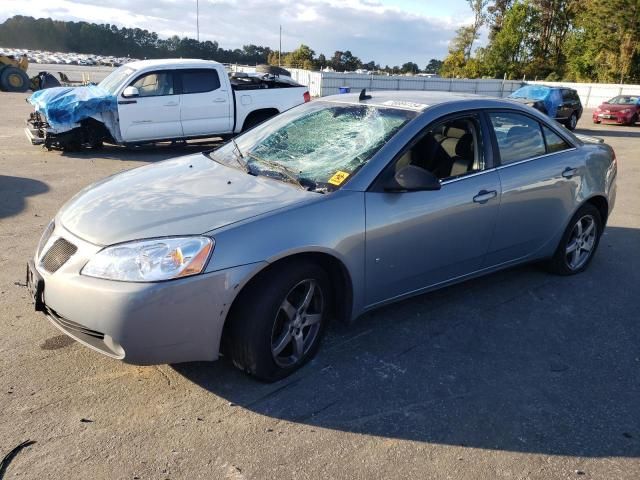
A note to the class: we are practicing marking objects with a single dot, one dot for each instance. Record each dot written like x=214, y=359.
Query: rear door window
x=554, y=142
x=519, y=137
x=199, y=80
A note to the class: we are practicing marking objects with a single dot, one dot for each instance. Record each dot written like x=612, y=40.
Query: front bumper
x=140, y=323
x=617, y=118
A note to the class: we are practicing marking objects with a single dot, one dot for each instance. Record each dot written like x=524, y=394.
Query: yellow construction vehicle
x=13, y=73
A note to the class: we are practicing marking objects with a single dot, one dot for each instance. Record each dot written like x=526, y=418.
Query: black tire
x=13, y=79
x=572, y=122
x=633, y=120
x=256, y=118
x=272, y=70
x=258, y=323
x=560, y=263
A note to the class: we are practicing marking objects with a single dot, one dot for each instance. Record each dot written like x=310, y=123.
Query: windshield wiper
x=240, y=157
x=286, y=171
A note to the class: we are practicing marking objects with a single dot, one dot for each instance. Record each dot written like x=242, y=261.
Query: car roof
x=417, y=100
x=171, y=63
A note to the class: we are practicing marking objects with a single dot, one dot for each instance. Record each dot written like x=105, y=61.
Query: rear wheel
x=257, y=118
x=579, y=242
x=277, y=324
x=13, y=79
x=572, y=122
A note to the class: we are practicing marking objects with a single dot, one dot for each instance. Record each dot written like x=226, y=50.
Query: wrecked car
x=159, y=100
x=562, y=104
x=324, y=212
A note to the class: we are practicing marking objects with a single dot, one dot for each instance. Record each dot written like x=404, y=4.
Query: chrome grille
x=58, y=254
x=46, y=235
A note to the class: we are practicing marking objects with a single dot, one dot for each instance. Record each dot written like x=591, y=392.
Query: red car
x=623, y=110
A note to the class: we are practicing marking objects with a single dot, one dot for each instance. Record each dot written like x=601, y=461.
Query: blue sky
x=388, y=31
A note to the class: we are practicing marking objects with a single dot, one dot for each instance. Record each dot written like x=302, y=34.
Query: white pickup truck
x=159, y=100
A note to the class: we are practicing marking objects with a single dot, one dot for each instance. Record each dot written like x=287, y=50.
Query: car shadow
x=623, y=132
x=146, y=152
x=15, y=190
x=519, y=360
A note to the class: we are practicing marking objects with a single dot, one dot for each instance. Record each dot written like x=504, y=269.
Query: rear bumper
x=141, y=323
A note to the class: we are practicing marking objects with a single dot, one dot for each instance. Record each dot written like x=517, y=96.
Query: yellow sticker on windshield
x=338, y=178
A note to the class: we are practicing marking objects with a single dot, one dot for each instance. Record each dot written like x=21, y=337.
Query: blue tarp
x=550, y=97
x=68, y=105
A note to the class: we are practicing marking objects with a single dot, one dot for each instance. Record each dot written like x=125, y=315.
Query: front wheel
x=579, y=242
x=277, y=324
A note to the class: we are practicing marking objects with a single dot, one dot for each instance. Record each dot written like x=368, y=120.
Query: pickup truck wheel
x=277, y=323
x=272, y=70
x=256, y=118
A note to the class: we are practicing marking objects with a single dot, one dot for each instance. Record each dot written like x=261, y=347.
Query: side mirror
x=130, y=92
x=412, y=179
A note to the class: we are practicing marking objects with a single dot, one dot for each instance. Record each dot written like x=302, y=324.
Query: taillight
x=307, y=97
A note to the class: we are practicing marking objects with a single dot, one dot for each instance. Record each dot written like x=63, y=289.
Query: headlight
x=151, y=260
x=626, y=110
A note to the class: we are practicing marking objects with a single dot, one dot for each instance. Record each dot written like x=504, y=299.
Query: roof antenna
x=363, y=95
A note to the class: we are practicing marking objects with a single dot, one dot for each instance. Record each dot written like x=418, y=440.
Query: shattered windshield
x=533, y=92
x=115, y=79
x=317, y=145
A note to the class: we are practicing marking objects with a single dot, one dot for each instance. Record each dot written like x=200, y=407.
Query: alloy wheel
x=581, y=242
x=297, y=323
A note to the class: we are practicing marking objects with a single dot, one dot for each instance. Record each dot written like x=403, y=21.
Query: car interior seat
x=464, y=156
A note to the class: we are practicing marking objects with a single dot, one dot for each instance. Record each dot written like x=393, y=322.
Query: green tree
x=434, y=66
x=302, y=57
x=510, y=48
x=410, y=67
x=606, y=43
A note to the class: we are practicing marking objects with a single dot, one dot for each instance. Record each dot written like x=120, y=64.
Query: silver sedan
x=324, y=212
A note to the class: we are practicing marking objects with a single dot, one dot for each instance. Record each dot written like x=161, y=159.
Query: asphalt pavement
x=517, y=375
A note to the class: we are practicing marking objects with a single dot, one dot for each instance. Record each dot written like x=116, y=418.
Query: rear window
x=200, y=81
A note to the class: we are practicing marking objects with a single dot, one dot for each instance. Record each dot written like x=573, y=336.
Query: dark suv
x=561, y=103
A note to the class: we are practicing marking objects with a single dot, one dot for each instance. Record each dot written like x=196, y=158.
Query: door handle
x=484, y=196
x=569, y=172
x=171, y=104
x=220, y=100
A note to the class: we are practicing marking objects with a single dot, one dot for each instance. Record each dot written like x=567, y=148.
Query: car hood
x=616, y=108
x=184, y=196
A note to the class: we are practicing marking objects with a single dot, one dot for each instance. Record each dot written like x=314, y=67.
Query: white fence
x=321, y=84
x=593, y=94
